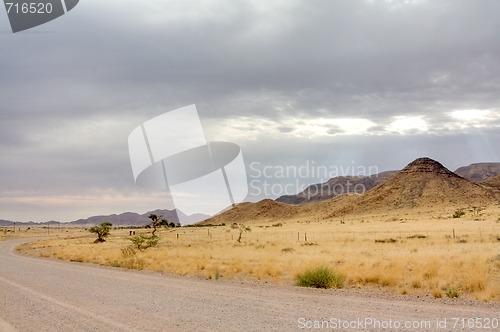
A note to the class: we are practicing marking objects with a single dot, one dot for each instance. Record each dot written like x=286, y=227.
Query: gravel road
x=49, y=295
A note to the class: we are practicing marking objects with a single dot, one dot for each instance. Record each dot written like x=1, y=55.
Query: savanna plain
x=409, y=252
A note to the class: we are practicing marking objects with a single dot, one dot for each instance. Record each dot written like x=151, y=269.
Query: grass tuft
x=320, y=277
x=452, y=292
x=437, y=293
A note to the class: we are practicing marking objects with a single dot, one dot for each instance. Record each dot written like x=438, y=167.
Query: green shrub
x=143, y=242
x=320, y=277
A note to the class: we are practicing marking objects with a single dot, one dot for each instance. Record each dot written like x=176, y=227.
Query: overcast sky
x=318, y=82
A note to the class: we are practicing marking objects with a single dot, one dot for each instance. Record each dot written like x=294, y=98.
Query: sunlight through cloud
x=408, y=124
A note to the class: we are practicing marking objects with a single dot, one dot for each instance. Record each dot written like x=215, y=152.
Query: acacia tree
x=156, y=221
x=102, y=231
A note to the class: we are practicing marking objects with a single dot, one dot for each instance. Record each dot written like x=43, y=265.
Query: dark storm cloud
x=374, y=58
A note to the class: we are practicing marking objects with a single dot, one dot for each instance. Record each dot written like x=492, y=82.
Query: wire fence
x=275, y=235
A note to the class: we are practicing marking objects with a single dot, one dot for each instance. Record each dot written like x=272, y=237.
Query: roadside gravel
x=50, y=295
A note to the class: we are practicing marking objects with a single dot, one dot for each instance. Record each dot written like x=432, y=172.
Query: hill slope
x=264, y=210
x=336, y=187
x=492, y=182
x=479, y=172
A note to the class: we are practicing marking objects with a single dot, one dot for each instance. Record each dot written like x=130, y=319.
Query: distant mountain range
x=123, y=219
x=480, y=172
x=424, y=182
x=6, y=223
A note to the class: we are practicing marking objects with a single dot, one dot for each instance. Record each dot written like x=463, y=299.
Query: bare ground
x=50, y=295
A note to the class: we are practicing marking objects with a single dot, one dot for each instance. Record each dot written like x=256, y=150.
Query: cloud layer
x=370, y=82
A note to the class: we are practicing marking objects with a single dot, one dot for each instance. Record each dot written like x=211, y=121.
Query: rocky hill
x=337, y=186
x=425, y=183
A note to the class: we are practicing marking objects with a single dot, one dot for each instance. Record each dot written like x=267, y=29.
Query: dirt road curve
x=46, y=295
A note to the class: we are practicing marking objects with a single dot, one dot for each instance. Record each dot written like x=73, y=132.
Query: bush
x=143, y=242
x=459, y=213
x=320, y=277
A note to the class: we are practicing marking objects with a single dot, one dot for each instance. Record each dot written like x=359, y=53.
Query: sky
x=351, y=86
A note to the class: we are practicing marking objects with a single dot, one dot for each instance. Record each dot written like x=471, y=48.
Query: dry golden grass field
x=411, y=252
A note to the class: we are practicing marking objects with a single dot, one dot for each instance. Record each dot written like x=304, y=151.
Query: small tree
x=156, y=221
x=102, y=231
x=242, y=228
